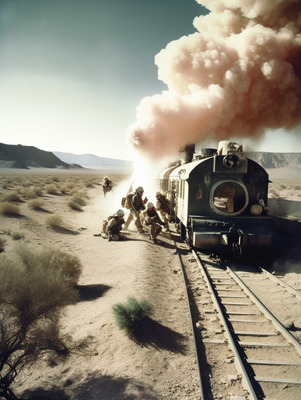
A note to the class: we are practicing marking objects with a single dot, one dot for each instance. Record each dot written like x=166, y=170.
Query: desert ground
x=163, y=365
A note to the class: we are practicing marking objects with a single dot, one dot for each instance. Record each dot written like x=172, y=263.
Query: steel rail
x=277, y=324
x=285, y=285
x=231, y=342
x=185, y=280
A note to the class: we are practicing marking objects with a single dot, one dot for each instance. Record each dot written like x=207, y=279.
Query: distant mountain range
x=24, y=157
x=18, y=156
x=92, y=161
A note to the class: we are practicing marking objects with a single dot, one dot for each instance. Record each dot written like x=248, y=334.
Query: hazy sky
x=72, y=72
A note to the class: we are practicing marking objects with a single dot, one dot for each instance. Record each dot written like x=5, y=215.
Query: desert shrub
x=74, y=206
x=38, y=190
x=55, y=221
x=36, y=204
x=17, y=235
x=89, y=184
x=12, y=197
x=52, y=189
x=33, y=292
x=79, y=200
x=6, y=184
x=8, y=208
x=130, y=315
x=2, y=244
x=29, y=193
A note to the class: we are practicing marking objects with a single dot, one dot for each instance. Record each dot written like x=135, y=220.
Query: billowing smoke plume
x=239, y=75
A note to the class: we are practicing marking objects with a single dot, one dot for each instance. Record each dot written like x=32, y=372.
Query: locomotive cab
x=221, y=203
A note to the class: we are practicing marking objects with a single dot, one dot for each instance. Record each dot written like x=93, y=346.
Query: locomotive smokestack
x=187, y=153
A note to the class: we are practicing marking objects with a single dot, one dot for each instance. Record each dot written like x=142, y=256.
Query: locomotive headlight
x=256, y=209
x=231, y=161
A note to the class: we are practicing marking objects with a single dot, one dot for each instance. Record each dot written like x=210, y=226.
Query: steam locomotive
x=219, y=201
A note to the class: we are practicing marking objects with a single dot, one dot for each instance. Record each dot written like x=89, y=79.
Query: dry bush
x=38, y=190
x=12, y=197
x=9, y=209
x=52, y=189
x=79, y=200
x=29, y=193
x=74, y=206
x=2, y=244
x=55, y=221
x=36, y=204
x=34, y=288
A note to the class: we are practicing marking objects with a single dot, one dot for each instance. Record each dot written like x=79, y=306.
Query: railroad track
x=244, y=351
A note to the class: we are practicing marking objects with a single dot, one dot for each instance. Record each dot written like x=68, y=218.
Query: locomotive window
x=229, y=197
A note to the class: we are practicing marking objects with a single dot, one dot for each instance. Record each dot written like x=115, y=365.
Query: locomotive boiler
x=219, y=201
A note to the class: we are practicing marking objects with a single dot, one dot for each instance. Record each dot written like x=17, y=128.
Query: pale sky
x=72, y=72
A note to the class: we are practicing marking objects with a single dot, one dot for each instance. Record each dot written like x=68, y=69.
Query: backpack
x=126, y=202
x=105, y=224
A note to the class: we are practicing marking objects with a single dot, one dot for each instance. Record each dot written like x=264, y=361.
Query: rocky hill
x=275, y=160
x=18, y=156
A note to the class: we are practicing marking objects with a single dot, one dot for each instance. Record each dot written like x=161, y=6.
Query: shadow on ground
x=96, y=387
x=91, y=292
x=152, y=333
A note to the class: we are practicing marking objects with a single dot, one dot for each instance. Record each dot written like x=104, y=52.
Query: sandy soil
x=164, y=365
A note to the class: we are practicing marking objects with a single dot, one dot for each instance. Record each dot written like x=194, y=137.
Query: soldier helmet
x=150, y=205
x=119, y=213
x=139, y=189
x=158, y=194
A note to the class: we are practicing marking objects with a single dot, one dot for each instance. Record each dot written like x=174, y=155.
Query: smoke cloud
x=239, y=75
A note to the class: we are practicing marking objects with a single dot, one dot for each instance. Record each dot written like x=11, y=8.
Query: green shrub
x=33, y=290
x=130, y=316
x=17, y=235
x=9, y=209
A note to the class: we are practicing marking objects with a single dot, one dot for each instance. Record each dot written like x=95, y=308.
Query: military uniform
x=137, y=205
x=163, y=206
x=152, y=219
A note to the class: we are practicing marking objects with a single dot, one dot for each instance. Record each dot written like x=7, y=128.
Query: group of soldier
x=145, y=215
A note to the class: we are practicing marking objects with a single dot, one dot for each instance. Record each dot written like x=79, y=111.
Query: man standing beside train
x=163, y=206
x=137, y=205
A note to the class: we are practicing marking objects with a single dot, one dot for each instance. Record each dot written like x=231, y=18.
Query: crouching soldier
x=114, y=226
x=152, y=219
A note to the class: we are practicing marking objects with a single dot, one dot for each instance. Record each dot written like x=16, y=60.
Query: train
x=219, y=201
